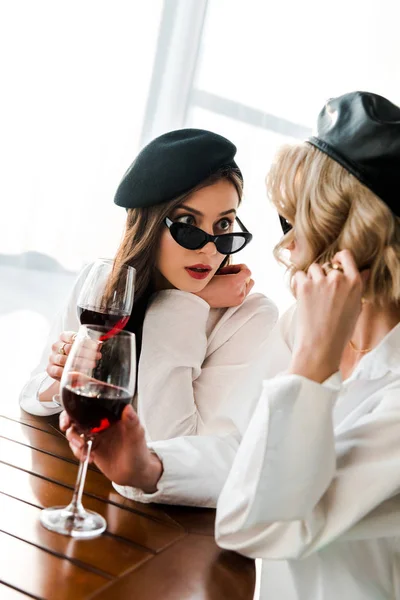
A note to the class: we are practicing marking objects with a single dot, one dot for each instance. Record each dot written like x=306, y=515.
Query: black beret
x=361, y=131
x=173, y=164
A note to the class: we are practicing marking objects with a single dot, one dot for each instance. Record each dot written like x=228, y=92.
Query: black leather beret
x=361, y=131
x=173, y=164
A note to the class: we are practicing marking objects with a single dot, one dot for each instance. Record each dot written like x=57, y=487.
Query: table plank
x=148, y=533
x=192, y=569
x=13, y=412
x=149, y=551
x=36, y=438
x=192, y=519
x=44, y=575
x=108, y=554
x=63, y=472
x=200, y=522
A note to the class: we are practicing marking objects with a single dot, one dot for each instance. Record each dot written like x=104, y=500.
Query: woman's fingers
x=316, y=273
x=249, y=286
x=329, y=303
x=58, y=359
x=68, y=336
x=86, y=358
x=87, y=348
x=74, y=437
x=229, y=289
x=54, y=371
x=64, y=344
x=299, y=279
x=244, y=272
x=77, y=443
x=347, y=262
x=229, y=270
x=64, y=421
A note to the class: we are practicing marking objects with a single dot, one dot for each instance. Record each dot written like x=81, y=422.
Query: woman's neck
x=373, y=324
x=160, y=282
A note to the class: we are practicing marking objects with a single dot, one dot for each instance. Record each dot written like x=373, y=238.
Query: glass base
x=85, y=524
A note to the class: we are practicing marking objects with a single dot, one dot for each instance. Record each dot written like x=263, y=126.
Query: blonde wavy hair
x=331, y=211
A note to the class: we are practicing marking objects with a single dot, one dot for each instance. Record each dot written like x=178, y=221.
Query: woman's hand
x=120, y=452
x=328, y=306
x=229, y=288
x=59, y=353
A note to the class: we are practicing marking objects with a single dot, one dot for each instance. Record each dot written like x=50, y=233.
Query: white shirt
x=200, y=369
x=314, y=488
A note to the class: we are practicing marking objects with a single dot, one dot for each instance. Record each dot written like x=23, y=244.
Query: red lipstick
x=199, y=271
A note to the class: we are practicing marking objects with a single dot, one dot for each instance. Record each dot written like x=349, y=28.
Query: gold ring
x=326, y=267
x=337, y=267
x=62, y=349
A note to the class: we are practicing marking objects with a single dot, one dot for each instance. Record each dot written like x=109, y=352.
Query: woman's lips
x=199, y=271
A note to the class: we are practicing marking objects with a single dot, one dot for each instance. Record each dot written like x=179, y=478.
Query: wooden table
x=149, y=552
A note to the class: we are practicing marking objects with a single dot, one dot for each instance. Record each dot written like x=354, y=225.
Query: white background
x=85, y=83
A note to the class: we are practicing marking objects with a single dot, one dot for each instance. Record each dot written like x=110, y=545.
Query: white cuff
x=195, y=470
x=29, y=400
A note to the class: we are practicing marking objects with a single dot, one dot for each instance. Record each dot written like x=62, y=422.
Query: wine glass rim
x=110, y=261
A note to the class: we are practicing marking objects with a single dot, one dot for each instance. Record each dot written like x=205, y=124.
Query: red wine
x=93, y=317
x=94, y=406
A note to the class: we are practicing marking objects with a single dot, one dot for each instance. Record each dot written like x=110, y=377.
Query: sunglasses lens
x=229, y=244
x=193, y=238
x=286, y=226
x=188, y=236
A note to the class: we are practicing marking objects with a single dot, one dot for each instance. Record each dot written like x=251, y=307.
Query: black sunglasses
x=193, y=238
x=286, y=226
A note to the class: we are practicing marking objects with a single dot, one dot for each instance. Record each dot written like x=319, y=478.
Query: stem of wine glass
x=75, y=505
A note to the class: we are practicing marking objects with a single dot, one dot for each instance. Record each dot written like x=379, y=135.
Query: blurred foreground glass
x=97, y=305
x=98, y=382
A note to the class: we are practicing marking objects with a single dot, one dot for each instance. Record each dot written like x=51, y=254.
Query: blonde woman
x=314, y=488
x=201, y=336
x=314, y=485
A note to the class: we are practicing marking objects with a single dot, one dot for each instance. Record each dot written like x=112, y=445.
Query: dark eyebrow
x=200, y=214
x=228, y=212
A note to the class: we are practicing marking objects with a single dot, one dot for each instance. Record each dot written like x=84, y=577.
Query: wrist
x=315, y=368
x=150, y=475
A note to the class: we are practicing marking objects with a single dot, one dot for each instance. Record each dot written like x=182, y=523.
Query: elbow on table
x=238, y=540
x=276, y=540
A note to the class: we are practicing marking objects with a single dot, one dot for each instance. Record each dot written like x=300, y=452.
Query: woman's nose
x=210, y=249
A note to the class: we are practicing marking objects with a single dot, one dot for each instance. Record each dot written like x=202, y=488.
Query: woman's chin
x=192, y=286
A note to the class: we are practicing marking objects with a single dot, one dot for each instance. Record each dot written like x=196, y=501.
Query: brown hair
x=332, y=211
x=142, y=233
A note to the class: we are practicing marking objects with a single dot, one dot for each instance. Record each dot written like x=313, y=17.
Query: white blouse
x=200, y=370
x=314, y=488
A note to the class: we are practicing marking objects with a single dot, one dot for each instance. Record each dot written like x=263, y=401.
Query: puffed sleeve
x=295, y=486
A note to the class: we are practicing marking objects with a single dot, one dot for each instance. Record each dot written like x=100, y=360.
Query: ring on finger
x=329, y=266
x=61, y=350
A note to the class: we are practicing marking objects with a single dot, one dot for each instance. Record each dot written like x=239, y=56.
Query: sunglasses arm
x=242, y=227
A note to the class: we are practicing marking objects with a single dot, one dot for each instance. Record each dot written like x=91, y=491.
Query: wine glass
x=97, y=383
x=99, y=305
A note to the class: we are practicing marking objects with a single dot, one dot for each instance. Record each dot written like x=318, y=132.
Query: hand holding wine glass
x=97, y=383
x=120, y=452
x=59, y=354
x=99, y=303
